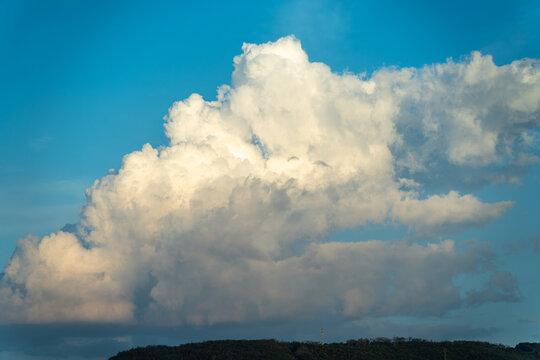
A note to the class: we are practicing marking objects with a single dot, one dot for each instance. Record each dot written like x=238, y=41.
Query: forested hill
x=365, y=349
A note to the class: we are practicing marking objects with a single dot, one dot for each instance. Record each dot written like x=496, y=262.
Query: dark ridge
x=365, y=349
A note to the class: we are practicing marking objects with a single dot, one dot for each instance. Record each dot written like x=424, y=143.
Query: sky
x=176, y=172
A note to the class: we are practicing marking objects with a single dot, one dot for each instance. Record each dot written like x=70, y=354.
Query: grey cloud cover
x=230, y=221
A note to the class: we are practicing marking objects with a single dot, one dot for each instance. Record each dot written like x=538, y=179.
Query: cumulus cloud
x=458, y=118
x=437, y=213
x=229, y=222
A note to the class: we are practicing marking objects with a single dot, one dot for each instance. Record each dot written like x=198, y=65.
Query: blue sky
x=85, y=83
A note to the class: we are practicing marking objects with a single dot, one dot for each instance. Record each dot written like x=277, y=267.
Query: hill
x=365, y=349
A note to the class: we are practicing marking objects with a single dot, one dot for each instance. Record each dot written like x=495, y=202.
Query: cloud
x=438, y=213
x=57, y=279
x=39, y=143
x=502, y=286
x=230, y=221
x=470, y=115
x=530, y=320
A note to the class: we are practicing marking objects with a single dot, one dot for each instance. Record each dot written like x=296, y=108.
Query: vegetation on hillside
x=365, y=349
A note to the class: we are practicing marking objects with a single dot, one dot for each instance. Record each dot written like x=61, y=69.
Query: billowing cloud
x=229, y=222
x=472, y=121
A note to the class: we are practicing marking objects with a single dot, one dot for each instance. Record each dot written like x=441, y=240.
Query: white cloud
x=229, y=222
x=471, y=113
x=442, y=214
x=55, y=279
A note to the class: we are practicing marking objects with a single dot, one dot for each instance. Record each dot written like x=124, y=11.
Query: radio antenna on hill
x=322, y=336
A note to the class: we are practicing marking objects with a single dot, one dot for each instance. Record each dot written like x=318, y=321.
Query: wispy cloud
x=530, y=320
x=40, y=143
